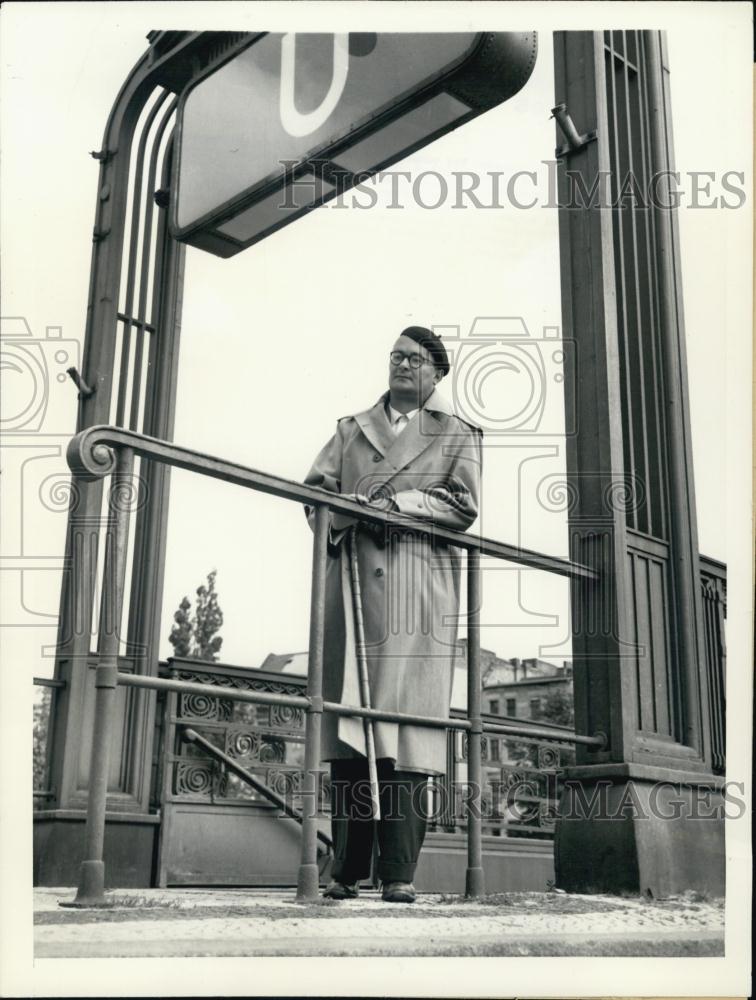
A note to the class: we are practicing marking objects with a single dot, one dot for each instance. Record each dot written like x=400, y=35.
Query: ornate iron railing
x=265, y=740
x=232, y=766
x=521, y=778
x=254, y=753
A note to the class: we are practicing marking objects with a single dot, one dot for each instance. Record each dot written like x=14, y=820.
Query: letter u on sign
x=251, y=126
x=295, y=122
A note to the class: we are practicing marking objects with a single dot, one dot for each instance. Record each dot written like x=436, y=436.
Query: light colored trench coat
x=410, y=584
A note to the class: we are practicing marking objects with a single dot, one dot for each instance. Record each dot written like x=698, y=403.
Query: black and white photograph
x=377, y=547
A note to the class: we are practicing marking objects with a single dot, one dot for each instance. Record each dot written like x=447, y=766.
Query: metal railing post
x=308, y=876
x=91, y=891
x=474, y=882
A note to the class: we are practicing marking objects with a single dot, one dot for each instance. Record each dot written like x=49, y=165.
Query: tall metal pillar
x=86, y=522
x=640, y=815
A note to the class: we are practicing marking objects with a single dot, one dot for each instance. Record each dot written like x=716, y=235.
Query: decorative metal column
x=130, y=359
x=628, y=814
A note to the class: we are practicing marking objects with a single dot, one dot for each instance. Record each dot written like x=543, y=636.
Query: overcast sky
x=280, y=341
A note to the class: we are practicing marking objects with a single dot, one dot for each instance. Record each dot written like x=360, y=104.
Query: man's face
x=409, y=381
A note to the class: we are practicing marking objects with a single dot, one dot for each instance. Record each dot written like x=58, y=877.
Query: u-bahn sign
x=292, y=120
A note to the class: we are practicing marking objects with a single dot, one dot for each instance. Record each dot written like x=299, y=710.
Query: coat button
x=379, y=572
x=377, y=458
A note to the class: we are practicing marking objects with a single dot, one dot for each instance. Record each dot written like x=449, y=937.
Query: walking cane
x=363, y=672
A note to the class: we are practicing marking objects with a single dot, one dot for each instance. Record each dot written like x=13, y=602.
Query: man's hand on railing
x=379, y=500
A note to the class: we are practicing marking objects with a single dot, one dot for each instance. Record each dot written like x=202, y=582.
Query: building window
x=535, y=708
x=495, y=755
x=494, y=706
x=511, y=706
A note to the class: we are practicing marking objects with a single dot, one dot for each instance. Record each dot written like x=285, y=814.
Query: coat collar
x=397, y=452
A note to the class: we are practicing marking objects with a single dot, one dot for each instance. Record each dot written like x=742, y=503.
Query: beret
x=432, y=343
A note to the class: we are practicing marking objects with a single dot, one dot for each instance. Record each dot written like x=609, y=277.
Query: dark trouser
x=400, y=830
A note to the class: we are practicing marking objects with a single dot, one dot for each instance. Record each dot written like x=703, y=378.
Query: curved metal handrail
x=91, y=456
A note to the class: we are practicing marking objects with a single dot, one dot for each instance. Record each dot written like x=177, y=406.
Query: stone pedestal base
x=625, y=828
x=130, y=848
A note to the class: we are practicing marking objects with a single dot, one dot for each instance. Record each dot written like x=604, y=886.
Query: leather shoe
x=398, y=892
x=341, y=890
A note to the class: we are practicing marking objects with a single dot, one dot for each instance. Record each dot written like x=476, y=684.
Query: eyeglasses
x=414, y=360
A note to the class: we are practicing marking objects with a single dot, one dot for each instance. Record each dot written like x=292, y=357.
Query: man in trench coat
x=411, y=455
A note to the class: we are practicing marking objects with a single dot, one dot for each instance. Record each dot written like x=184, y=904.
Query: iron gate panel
x=211, y=820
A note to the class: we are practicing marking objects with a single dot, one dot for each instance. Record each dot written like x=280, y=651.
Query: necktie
x=400, y=424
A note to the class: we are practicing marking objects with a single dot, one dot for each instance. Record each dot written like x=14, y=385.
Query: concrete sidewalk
x=244, y=922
